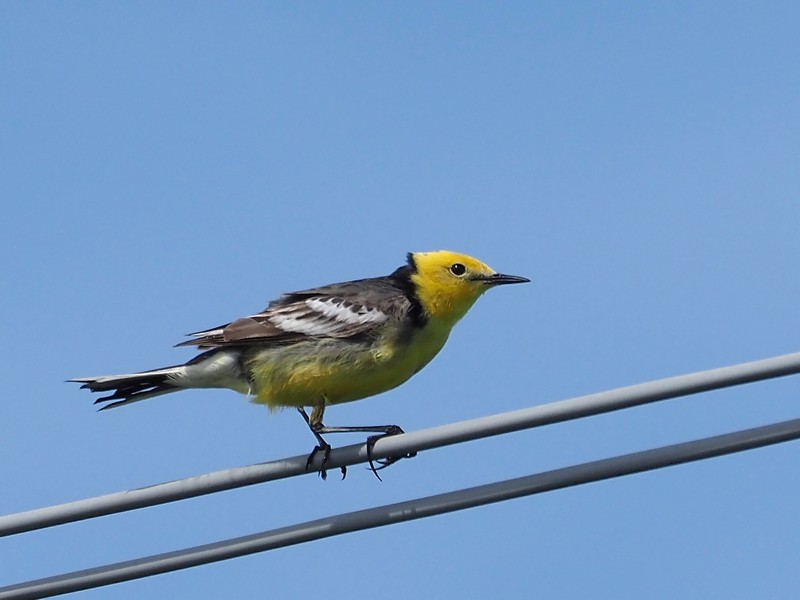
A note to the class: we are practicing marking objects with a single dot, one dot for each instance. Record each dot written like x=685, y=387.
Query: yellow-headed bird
x=326, y=345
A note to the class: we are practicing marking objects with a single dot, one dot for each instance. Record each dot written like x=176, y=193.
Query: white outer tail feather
x=216, y=369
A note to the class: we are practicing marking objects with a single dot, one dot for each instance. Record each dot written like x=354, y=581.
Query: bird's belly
x=336, y=371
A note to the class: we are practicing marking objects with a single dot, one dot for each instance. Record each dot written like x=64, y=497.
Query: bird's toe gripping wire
x=322, y=446
x=389, y=460
x=317, y=428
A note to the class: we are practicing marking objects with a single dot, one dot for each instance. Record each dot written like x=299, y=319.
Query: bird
x=326, y=345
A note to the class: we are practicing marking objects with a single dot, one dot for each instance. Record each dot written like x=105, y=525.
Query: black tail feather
x=128, y=388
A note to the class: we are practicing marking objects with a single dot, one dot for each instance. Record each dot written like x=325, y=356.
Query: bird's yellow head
x=447, y=284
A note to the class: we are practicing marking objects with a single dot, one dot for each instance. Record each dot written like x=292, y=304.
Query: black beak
x=500, y=279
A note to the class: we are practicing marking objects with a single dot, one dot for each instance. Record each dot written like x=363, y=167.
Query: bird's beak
x=500, y=279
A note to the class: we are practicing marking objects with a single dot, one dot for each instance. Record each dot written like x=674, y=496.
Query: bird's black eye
x=458, y=269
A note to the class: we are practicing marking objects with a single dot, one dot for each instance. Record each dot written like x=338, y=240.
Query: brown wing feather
x=343, y=310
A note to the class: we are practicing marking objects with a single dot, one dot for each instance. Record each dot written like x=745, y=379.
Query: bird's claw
x=389, y=460
x=326, y=452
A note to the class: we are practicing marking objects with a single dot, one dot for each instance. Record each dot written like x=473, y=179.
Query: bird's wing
x=342, y=310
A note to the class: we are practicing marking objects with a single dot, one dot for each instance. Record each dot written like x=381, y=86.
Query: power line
x=564, y=410
x=406, y=511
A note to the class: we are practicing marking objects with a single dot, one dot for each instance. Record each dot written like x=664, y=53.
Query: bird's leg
x=314, y=423
x=383, y=430
x=316, y=426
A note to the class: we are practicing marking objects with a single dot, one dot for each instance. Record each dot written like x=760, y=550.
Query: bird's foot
x=389, y=460
x=325, y=448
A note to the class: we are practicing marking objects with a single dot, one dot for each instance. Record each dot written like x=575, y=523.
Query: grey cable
x=405, y=511
x=454, y=433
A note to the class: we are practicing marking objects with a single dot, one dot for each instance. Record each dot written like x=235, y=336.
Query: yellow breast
x=336, y=371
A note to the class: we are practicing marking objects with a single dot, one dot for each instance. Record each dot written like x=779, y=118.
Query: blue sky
x=171, y=166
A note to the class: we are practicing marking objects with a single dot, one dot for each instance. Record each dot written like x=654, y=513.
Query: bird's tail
x=133, y=387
